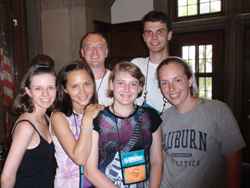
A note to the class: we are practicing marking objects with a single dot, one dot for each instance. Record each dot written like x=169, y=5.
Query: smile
x=175, y=96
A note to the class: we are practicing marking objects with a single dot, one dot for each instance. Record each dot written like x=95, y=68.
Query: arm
x=22, y=138
x=91, y=171
x=233, y=165
x=156, y=160
x=78, y=150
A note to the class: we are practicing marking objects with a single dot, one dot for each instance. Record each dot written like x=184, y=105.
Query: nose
x=94, y=49
x=154, y=35
x=126, y=87
x=45, y=92
x=171, y=87
x=82, y=89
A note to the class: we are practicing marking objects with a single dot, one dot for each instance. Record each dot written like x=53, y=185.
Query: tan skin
x=43, y=91
x=173, y=81
x=126, y=89
x=80, y=88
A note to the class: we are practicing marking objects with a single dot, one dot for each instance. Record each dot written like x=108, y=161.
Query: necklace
x=101, y=81
x=145, y=88
x=125, y=117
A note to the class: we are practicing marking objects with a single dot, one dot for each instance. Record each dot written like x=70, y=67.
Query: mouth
x=174, y=96
x=155, y=43
x=83, y=98
x=45, y=100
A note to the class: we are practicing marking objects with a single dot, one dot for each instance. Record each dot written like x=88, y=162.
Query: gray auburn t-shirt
x=196, y=143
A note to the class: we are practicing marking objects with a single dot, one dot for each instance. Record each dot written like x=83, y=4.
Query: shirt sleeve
x=155, y=119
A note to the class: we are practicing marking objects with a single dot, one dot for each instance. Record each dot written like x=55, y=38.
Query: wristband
x=88, y=128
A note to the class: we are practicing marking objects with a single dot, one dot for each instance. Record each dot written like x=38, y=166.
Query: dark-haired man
x=157, y=31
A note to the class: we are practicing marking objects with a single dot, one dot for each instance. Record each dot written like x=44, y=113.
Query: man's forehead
x=155, y=25
x=94, y=38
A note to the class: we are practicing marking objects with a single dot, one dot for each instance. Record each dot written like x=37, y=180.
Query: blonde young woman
x=201, y=138
x=126, y=147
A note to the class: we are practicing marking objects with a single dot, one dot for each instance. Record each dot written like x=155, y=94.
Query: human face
x=156, y=36
x=42, y=90
x=125, y=89
x=94, y=57
x=175, y=85
x=80, y=88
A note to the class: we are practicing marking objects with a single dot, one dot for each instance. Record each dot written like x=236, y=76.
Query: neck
x=79, y=111
x=158, y=57
x=39, y=113
x=188, y=106
x=98, y=72
x=123, y=111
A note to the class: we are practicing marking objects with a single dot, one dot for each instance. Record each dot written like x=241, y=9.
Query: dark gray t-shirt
x=196, y=143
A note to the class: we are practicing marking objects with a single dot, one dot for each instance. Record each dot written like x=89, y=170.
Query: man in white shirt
x=94, y=50
x=157, y=31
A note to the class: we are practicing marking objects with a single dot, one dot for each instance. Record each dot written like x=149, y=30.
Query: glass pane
x=188, y=54
x=204, y=8
x=202, y=66
x=216, y=6
x=209, y=66
x=204, y=1
x=191, y=62
x=191, y=52
x=209, y=51
x=202, y=50
x=182, y=11
x=182, y=2
x=192, y=2
x=184, y=52
x=205, y=87
x=192, y=10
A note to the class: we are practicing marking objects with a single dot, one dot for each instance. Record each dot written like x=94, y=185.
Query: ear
x=140, y=89
x=190, y=81
x=170, y=35
x=82, y=52
x=106, y=52
x=111, y=85
x=27, y=91
x=143, y=37
x=65, y=90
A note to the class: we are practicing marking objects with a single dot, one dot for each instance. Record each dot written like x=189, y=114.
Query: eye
x=120, y=83
x=134, y=84
x=99, y=46
x=160, y=31
x=38, y=88
x=52, y=87
x=87, y=84
x=164, y=83
x=89, y=47
x=74, y=86
x=178, y=80
x=148, y=32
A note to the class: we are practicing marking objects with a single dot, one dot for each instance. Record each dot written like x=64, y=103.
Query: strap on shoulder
x=23, y=121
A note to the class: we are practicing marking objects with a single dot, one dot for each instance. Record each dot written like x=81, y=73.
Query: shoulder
x=139, y=61
x=58, y=117
x=214, y=105
x=23, y=128
x=167, y=112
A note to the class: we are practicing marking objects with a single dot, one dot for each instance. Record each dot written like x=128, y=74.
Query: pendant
x=126, y=120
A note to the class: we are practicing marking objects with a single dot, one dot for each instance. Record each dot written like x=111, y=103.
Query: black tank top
x=35, y=169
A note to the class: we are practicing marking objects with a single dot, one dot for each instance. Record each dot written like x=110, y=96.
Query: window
x=202, y=69
x=197, y=7
x=204, y=52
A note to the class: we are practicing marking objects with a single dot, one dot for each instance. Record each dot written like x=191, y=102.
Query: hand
x=93, y=110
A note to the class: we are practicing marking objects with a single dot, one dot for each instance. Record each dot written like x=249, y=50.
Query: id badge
x=133, y=165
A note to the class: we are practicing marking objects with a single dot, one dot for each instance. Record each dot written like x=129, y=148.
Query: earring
x=165, y=101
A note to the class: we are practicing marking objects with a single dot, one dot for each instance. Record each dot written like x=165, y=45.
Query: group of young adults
x=105, y=129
